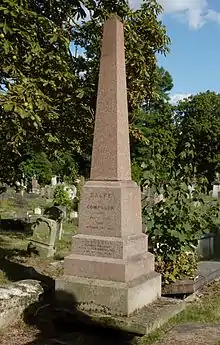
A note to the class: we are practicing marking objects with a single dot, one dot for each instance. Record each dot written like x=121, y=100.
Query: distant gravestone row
x=48, y=190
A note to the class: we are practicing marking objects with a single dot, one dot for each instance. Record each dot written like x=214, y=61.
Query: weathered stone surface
x=184, y=286
x=119, y=298
x=44, y=236
x=111, y=150
x=112, y=247
x=110, y=208
x=14, y=298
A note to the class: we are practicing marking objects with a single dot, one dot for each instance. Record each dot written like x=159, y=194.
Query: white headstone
x=54, y=181
x=216, y=191
x=37, y=210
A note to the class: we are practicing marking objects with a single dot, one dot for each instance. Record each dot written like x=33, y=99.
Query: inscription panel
x=100, y=248
x=100, y=212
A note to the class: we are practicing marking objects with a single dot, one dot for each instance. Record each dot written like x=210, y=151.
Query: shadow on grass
x=15, y=271
x=60, y=322
x=19, y=227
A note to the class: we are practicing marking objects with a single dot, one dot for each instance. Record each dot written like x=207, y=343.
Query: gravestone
x=35, y=187
x=57, y=213
x=4, y=196
x=74, y=215
x=44, y=236
x=37, y=210
x=216, y=189
x=110, y=266
x=54, y=181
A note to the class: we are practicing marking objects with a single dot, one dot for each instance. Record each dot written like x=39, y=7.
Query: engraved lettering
x=100, y=207
x=96, y=247
x=100, y=195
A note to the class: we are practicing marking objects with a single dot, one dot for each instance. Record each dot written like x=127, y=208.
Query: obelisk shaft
x=111, y=149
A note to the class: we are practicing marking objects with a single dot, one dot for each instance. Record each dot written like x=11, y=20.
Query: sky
x=194, y=29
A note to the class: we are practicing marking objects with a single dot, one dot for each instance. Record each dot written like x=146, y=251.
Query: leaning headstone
x=44, y=236
x=110, y=266
x=57, y=213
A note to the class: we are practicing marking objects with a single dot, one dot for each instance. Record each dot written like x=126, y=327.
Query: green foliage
x=164, y=83
x=35, y=77
x=184, y=265
x=198, y=122
x=155, y=152
x=65, y=165
x=39, y=166
x=61, y=197
x=177, y=222
x=136, y=172
x=167, y=161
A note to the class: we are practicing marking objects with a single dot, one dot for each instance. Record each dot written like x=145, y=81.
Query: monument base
x=115, y=298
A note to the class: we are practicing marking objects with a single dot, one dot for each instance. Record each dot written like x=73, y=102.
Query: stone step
x=121, y=270
x=112, y=247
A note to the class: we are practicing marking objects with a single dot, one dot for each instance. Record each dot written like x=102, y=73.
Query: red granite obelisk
x=109, y=264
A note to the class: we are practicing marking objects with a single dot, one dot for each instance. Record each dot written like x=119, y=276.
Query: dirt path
x=192, y=334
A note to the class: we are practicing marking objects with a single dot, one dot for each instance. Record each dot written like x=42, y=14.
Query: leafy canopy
x=198, y=123
x=48, y=93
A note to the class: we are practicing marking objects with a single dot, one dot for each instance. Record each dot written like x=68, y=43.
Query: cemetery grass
x=13, y=250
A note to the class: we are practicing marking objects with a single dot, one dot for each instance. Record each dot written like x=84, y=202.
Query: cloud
x=195, y=12
x=174, y=99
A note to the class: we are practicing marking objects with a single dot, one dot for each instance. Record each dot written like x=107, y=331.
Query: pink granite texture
x=110, y=253
x=110, y=244
x=111, y=150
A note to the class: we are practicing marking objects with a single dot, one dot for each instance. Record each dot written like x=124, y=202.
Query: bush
x=61, y=197
x=175, y=225
x=184, y=265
